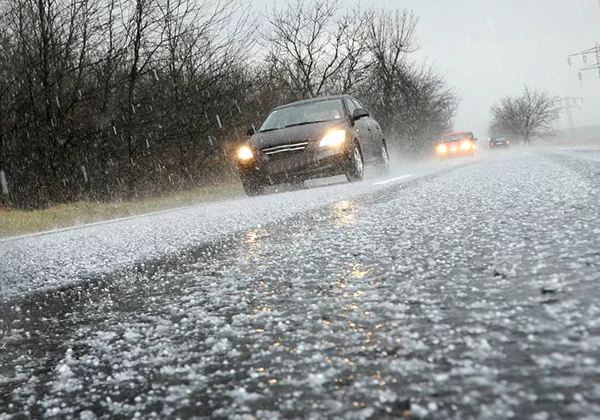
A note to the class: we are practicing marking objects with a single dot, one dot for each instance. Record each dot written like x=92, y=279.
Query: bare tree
x=144, y=41
x=355, y=50
x=411, y=100
x=48, y=90
x=391, y=37
x=112, y=98
x=320, y=48
x=96, y=97
x=309, y=45
x=205, y=43
x=529, y=115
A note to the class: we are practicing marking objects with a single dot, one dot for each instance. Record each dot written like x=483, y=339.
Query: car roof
x=318, y=99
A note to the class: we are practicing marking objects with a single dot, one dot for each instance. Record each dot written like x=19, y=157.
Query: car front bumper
x=312, y=162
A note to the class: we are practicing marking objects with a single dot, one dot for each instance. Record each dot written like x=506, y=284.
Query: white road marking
x=398, y=178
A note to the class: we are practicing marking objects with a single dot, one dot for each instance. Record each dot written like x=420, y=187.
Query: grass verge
x=18, y=222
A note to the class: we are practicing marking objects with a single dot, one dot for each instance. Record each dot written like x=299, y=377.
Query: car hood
x=299, y=133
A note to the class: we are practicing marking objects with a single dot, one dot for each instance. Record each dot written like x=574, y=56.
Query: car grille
x=285, y=150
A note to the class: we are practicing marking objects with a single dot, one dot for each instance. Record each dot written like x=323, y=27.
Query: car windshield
x=498, y=139
x=305, y=113
x=454, y=137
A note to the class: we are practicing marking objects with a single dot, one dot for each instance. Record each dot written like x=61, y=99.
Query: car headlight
x=442, y=148
x=466, y=145
x=245, y=153
x=333, y=138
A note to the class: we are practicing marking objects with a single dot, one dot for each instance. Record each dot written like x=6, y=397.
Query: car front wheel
x=356, y=166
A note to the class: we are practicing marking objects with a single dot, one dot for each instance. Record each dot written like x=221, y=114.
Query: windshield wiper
x=293, y=125
x=305, y=123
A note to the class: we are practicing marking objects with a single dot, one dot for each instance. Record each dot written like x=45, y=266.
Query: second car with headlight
x=455, y=144
x=313, y=138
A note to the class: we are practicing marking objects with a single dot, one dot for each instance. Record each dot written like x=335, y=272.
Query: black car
x=499, y=142
x=313, y=138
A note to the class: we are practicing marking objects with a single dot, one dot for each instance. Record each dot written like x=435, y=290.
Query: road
x=464, y=289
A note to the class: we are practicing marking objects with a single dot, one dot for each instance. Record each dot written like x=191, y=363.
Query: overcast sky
x=491, y=48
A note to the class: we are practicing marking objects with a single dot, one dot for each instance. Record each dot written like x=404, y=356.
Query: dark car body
x=499, y=143
x=294, y=152
x=458, y=143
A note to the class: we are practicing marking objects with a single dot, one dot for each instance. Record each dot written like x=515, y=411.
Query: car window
x=454, y=137
x=351, y=106
x=358, y=104
x=305, y=113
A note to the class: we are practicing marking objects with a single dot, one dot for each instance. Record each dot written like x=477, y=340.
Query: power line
x=594, y=52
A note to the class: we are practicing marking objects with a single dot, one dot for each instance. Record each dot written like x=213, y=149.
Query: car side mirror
x=359, y=113
x=251, y=132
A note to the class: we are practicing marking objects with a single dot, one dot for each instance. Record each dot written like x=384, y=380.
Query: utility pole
x=569, y=103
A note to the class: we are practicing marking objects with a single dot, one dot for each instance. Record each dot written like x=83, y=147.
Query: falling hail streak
x=84, y=172
x=3, y=183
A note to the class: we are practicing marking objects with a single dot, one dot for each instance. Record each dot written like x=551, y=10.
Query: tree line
x=118, y=99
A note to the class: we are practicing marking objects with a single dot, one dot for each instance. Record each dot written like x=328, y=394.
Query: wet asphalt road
x=471, y=291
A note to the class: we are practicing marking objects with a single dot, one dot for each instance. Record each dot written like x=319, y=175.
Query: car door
x=376, y=137
x=364, y=129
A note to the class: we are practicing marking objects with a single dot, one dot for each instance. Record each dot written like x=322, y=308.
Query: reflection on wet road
x=465, y=294
x=344, y=212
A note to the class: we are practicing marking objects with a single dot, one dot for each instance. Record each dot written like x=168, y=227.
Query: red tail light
x=507, y=142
